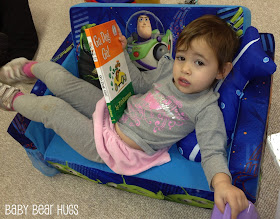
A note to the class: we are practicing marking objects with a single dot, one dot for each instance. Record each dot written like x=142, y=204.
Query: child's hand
x=122, y=38
x=225, y=192
x=123, y=41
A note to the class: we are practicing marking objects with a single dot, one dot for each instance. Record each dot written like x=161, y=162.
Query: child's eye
x=180, y=58
x=200, y=63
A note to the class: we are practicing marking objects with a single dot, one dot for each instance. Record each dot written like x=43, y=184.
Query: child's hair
x=216, y=33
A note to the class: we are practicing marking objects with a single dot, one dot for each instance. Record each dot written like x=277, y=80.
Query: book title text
x=99, y=41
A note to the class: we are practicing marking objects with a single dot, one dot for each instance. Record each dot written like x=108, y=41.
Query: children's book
x=111, y=66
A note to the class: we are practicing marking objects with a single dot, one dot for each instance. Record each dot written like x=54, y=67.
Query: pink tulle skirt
x=119, y=157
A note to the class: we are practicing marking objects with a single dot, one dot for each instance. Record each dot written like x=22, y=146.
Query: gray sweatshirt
x=159, y=115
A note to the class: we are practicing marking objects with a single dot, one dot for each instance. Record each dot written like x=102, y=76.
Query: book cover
x=111, y=66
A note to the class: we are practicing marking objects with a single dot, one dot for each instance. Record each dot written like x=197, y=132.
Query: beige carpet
x=21, y=184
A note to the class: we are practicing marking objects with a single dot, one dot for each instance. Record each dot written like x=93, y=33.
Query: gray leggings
x=69, y=112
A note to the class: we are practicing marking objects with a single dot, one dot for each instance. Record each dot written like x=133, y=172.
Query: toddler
x=170, y=102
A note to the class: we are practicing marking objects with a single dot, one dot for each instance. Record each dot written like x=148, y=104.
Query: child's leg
x=80, y=94
x=63, y=84
x=73, y=127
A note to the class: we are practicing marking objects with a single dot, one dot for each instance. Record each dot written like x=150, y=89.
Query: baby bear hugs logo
x=40, y=210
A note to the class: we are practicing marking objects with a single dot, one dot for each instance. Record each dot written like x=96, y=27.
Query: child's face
x=195, y=69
